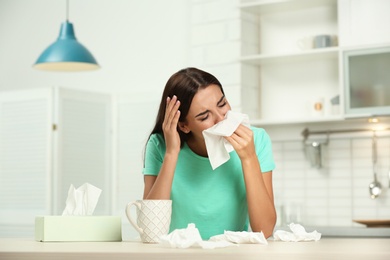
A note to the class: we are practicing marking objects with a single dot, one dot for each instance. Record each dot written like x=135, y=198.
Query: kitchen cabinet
x=367, y=81
x=51, y=138
x=283, y=75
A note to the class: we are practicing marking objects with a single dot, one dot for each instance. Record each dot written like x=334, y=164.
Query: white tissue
x=242, y=237
x=298, y=234
x=182, y=238
x=190, y=237
x=81, y=201
x=218, y=148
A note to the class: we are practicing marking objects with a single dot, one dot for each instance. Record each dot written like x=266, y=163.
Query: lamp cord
x=67, y=10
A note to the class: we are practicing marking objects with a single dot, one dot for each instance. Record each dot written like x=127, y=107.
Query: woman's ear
x=183, y=127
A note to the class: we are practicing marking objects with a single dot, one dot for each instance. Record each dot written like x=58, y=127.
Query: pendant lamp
x=66, y=54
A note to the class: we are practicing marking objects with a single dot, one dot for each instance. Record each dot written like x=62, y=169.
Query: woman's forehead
x=206, y=98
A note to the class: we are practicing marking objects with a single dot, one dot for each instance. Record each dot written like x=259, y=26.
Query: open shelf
x=269, y=6
x=281, y=121
x=323, y=53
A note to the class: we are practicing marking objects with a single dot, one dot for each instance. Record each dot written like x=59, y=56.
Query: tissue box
x=78, y=228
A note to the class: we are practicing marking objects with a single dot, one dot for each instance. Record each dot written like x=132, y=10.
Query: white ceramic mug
x=322, y=41
x=153, y=218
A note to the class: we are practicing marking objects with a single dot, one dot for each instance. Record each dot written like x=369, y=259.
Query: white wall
x=215, y=43
x=337, y=193
x=138, y=44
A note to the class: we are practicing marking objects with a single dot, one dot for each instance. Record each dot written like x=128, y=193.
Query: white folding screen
x=83, y=144
x=25, y=158
x=51, y=138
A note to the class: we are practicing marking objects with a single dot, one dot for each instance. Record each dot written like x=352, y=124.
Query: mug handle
x=128, y=214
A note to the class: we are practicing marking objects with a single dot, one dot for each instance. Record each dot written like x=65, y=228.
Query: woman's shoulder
x=156, y=139
x=258, y=130
x=260, y=135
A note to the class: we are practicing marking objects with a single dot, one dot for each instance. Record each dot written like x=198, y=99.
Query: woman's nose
x=219, y=117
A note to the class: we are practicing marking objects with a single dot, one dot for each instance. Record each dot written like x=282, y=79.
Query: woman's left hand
x=242, y=142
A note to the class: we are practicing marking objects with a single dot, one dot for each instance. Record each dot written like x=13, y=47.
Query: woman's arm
x=159, y=187
x=259, y=191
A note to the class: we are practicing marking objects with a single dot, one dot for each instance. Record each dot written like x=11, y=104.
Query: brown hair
x=184, y=84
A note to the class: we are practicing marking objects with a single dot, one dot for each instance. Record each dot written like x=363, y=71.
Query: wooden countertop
x=326, y=248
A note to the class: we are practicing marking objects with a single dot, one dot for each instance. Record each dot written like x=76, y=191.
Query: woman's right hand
x=160, y=186
x=169, y=126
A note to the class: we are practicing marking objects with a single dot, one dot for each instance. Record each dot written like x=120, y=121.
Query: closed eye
x=204, y=118
x=223, y=104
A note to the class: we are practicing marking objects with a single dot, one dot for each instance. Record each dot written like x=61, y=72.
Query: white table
x=326, y=248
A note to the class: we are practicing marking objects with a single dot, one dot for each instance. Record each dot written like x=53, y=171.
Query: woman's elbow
x=266, y=228
x=267, y=232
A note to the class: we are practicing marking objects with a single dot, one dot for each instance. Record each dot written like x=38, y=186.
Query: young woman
x=176, y=166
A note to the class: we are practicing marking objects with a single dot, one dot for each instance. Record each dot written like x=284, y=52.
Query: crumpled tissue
x=242, y=237
x=81, y=201
x=190, y=237
x=298, y=234
x=218, y=148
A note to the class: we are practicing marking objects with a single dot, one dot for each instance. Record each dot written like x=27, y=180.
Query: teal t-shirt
x=214, y=200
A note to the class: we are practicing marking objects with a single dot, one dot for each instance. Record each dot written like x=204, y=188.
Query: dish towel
x=218, y=148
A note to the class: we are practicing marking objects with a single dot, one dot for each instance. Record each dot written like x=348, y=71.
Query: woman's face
x=209, y=106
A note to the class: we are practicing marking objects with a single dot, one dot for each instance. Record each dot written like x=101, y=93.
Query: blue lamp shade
x=66, y=54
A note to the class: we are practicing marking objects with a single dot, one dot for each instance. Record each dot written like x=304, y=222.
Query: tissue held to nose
x=218, y=148
x=81, y=201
